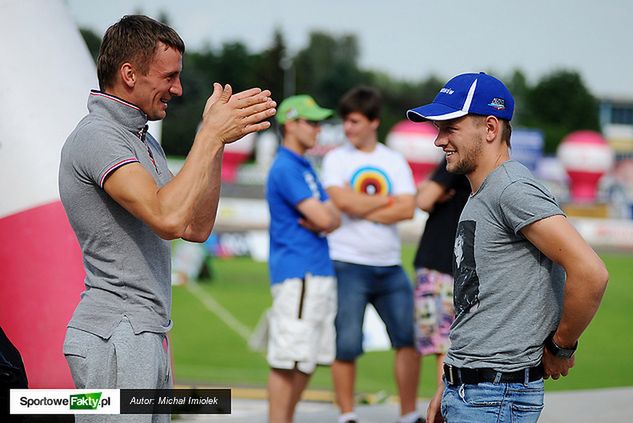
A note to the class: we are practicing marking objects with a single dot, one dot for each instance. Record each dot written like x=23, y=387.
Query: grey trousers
x=124, y=361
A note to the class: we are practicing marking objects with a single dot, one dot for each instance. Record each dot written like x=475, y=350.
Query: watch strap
x=557, y=350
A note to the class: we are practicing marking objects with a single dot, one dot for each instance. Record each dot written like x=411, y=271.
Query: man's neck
x=486, y=166
x=121, y=93
x=367, y=145
x=295, y=147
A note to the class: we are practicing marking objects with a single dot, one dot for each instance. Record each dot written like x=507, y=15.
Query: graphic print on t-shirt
x=371, y=180
x=466, y=293
x=312, y=184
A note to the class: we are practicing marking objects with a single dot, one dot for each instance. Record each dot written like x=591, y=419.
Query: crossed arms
x=320, y=217
x=376, y=208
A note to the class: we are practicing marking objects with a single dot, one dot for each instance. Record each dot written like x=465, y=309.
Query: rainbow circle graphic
x=371, y=180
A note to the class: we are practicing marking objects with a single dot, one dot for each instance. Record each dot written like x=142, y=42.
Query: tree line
x=558, y=103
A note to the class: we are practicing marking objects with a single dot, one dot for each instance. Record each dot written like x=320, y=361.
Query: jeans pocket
x=527, y=402
x=482, y=395
x=526, y=413
x=472, y=403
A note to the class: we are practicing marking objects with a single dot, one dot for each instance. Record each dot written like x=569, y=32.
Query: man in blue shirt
x=301, y=273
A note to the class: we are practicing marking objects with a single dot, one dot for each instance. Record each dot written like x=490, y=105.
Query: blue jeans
x=493, y=402
x=388, y=289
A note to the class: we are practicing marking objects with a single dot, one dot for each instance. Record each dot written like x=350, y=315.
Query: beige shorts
x=301, y=323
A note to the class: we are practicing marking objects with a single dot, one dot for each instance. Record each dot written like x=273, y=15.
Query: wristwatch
x=557, y=350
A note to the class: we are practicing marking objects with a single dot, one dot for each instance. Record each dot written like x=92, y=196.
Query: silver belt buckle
x=450, y=377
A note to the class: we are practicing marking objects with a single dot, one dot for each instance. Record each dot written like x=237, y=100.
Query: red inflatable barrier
x=42, y=277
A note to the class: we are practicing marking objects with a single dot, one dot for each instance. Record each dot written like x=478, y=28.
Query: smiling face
x=462, y=140
x=154, y=90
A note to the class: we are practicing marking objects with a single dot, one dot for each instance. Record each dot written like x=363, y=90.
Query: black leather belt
x=463, y=375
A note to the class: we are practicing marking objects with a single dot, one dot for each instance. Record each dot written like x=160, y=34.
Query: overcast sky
x=413, y=39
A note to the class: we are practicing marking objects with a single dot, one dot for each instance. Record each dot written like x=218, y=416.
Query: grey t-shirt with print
x=508, y=295
x=127, y=265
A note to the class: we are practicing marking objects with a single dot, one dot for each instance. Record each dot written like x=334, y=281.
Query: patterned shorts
x=434, y=311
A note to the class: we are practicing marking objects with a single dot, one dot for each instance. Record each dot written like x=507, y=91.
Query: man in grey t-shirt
x=524, y=278
x=124, y=204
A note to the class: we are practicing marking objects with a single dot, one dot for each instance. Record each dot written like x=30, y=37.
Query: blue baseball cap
x=468, y=93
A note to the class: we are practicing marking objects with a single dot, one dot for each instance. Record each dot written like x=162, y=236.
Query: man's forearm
x=356, y=204
x=580, y=304
x=205, y=210
x=403, y=208
x=193, y=193
x=586, y=274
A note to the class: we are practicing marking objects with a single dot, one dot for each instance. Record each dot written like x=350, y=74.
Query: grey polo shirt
x=127, y=265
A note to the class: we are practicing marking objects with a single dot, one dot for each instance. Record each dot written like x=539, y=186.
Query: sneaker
x=349, y=418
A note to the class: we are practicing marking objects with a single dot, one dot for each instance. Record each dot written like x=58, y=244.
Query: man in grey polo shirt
x=124, y=205
x=526, y=284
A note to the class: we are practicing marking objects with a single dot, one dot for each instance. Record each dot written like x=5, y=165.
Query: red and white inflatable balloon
x=586, y=157
x=416, y=142
x=47, y=74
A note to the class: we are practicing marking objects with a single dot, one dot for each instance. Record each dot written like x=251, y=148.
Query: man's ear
x=493, y=128
x=128, y=74
x=375, y=124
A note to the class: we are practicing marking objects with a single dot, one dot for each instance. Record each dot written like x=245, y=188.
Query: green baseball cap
x=301, y=107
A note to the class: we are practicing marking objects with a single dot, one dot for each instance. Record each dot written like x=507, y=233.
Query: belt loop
x=526, y=377
x=497, y=377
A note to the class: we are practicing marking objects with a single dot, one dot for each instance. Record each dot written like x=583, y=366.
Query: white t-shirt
x=380, y=172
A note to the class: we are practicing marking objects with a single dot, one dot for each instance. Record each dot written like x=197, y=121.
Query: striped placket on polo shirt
x=142, y=136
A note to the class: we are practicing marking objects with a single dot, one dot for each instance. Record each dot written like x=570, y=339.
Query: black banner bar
x=175, y=401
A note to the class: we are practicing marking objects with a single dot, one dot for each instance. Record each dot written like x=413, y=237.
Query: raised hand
x=228, y=117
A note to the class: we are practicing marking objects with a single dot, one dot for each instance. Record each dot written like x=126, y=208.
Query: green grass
x=604, y=357
x=206, y=351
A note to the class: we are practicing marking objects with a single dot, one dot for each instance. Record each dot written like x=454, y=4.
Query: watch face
x=565, y=353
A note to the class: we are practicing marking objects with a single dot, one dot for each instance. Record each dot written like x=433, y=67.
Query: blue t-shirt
x=294, y=250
